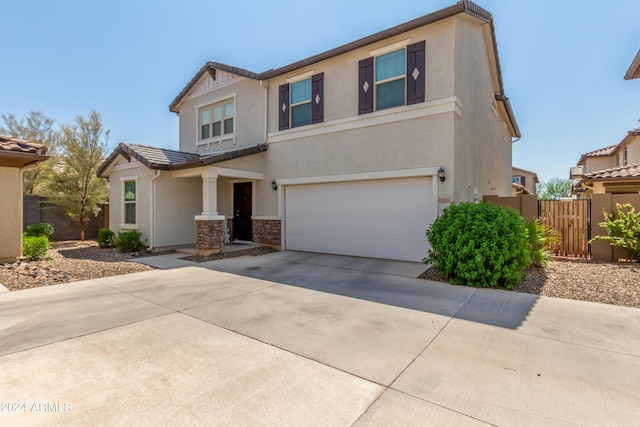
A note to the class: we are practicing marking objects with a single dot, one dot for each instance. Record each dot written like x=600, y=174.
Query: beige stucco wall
x=341, y=72
x=177, y=202
x=483, y=144
x=143, y=175
x=598, y=163
x=633, y=151
x=11, y=214
x=249, y=117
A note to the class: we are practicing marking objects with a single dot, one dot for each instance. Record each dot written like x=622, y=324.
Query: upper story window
x=624, y=157
x=518, y=179
x=392, y=79
x=616, y=162
x=301, y=102
x=216, y=120
x=390, y=76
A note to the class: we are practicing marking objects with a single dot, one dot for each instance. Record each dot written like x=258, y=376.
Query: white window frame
x=616, y=161
x=210, y=106
x=380, y=52
x=297, y=104
x=124, y=224
x=625, y=158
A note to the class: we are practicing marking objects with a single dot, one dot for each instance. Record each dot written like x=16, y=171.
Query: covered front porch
x=228, y=198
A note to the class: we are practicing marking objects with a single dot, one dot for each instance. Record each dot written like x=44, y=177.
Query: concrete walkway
x=294, y=339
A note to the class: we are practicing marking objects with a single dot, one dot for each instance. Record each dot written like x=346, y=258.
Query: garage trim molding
x=363, y=176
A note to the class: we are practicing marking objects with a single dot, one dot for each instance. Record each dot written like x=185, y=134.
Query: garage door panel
x=381, y=219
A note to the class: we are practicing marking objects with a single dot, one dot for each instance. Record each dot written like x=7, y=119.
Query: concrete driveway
x=305, y=339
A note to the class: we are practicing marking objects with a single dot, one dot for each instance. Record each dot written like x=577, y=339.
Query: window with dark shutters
x=414, y=78
x=317, y=98
x=415, y=73
x=365, y=86
x=283, y=106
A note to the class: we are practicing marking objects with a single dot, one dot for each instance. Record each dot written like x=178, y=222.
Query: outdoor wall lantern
x=274, y=186
x=441, y=174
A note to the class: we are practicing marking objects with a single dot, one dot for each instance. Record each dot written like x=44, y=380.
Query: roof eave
x=464, y=6
x=634, y=70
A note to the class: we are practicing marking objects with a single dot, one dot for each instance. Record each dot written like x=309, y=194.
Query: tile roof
x=165, y=159
x=600, y=152
x=629, y=171
x=155, y=156
x=8, y=143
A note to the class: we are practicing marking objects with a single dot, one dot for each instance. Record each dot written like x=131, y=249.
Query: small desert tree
x=38, y=128
x=75, y=185
x=554, y=189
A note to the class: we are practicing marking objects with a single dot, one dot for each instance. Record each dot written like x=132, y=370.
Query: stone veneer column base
x=267, y=231
x=210, y=236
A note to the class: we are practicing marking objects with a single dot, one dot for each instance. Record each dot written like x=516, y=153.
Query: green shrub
x=129, y=241
x=623, y=231
x=106, y=238
x=41, y=229
x=480, y=245
x=34, y=248
x=541, y=241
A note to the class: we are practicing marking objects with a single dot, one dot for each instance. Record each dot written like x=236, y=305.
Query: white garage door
x=379, y=218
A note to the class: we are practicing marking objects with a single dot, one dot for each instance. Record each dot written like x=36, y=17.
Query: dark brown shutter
x=365, y=86
x=283, y=106
x=415, y=73
x=317, y=98
x=522, y=181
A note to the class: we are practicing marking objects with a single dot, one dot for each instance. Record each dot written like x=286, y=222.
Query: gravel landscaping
x=616, y=283
x=603, y=282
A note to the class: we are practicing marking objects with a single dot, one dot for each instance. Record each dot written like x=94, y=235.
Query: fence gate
x=571, y=219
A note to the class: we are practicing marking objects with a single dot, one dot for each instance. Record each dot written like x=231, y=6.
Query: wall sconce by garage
x=441, y=174
x=274, y=185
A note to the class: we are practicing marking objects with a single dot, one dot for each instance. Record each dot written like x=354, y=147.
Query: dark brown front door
x=242, y=211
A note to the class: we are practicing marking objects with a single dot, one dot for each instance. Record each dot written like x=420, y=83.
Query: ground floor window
x=130, y=202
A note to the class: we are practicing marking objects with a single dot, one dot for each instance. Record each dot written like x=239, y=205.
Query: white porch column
x=209, y=195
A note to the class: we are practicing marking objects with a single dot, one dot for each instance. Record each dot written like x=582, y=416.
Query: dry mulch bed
x=616, y=283
x=75, y=260
x=69, y=261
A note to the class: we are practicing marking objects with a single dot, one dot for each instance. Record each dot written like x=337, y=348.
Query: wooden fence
x=571, y=220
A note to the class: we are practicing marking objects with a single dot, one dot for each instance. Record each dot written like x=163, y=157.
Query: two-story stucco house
x=352, y=151
x=614, y=169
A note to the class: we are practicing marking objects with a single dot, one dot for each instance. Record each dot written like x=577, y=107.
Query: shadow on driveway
x=500, y=308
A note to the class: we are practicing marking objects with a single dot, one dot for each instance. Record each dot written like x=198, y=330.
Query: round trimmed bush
x=481, y=245
x=106, y=238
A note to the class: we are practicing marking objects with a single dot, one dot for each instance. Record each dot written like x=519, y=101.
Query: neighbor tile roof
x=8, y=143
x=621, y=172
x=600, y=152
x=165, y=159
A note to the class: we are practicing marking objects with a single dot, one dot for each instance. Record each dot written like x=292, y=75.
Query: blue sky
x=563, y=62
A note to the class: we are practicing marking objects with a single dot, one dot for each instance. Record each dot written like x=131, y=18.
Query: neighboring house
x=634, y=70
x=523, y=181
x=614, y=169
x=15, y=156
x=352, y=151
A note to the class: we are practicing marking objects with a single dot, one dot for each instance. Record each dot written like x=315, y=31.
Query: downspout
x=152, y=212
